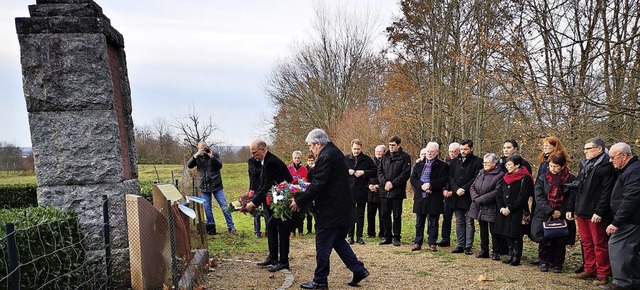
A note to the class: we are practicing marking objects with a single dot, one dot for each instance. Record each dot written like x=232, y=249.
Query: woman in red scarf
x=511, y=202
x=552, y=198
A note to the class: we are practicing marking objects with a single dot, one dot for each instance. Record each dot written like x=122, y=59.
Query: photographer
x=210, y=183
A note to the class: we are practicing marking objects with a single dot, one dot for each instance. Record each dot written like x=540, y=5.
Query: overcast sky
x=215, y=55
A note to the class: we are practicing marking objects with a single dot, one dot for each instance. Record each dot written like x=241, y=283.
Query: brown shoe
x=599, y=281
x=583, y=275
x=416, y=247
x=433, y=248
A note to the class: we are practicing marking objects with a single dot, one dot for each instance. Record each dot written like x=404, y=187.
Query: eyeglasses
x=254, y=152
x=616, y=156
x=588, y=148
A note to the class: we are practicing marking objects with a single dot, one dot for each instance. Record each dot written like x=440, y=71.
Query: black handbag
x=555, y=228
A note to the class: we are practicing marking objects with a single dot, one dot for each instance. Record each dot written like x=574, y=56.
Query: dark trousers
x=309, y=223
x=391, y=207
x=515, y=247
x=485, y=229
x=278, y=238
x=372, y=208
x=432, y=228
x=333, y=239
x=359, y=225
x=447, y=218
x=552, y=251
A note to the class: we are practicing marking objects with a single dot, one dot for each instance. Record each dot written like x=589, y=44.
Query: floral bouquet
x=280, y=197
x=240, y=205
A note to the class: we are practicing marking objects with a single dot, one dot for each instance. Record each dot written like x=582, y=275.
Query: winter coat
x=543, y=211
x=255, y=170
x=301, y=172
x=484, y=190
x=374, y=196
x=596, y=179
x=461, y=175
x=209, y=177
x=274, y=171
x=625, y=196
x=515, y=197
x=394, y=167
x=329, y=190
x=360, y=185
x=433, y=203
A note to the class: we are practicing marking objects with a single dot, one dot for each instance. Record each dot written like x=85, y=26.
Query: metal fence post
x=14, y=259
x=107, y=239
x=172, y=241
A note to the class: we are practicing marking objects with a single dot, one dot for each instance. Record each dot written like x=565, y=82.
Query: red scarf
x=510, y=178
x=555, y=196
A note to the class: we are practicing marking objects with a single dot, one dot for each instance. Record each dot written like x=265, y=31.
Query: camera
x=207, y=150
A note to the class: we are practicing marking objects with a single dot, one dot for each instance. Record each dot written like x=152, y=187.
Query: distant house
x=26, y=152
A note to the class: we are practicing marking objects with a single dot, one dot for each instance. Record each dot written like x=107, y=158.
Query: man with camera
x=210, y=184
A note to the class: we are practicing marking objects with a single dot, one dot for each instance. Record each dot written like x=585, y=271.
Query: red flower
x=268, y=199
x=282, y=185
x=294, y=190
x=250, y=193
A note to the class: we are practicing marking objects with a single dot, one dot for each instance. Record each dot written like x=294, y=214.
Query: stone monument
x=79, y=103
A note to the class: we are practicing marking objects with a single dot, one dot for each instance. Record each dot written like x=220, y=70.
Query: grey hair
x=454, y=145
x=598, y=141
x=317, y=136
x=384, y=148
x=492, y=156
x=622, y=147
x=297, y=152
x=434, y=144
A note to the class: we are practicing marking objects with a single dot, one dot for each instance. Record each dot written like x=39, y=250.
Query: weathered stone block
x=79, y=10
x=76, y=147
x=65, y=72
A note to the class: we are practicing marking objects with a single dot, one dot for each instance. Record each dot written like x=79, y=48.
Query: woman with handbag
x=511, y=202
x=552, y=199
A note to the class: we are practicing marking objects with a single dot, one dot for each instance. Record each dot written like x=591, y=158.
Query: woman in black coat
x=552, y=199
x=484, y=190
x=511, y=202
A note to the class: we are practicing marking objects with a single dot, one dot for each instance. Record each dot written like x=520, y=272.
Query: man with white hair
x=624, y=244
x=329, y=190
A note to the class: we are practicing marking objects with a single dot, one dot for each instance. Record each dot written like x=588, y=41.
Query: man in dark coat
x=373, y=200
x=329, y=190
x=274, y=171
x=361, y=168
x=624, y=244
x=428, y=178
x=462, y=173
x=209, y=164
x=393, y=174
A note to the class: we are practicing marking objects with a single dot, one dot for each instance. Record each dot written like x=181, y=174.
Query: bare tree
x=194, y=129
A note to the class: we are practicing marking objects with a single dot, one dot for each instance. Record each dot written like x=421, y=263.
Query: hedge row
x=18, y=195
x=50, y=248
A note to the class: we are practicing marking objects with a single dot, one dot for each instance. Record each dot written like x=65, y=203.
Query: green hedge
x=18, y=195
x=50, y=249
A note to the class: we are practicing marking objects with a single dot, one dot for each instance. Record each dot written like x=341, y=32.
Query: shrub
x=18, y=195
x=49, y=243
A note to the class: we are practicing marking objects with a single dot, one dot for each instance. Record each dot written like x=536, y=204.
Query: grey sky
x=213, y=54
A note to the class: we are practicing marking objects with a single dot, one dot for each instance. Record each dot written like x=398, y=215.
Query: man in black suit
x=329, y=189
x=274, y=171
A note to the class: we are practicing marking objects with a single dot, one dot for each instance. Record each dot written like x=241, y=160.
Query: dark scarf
x=510, y=178
x=556, y=181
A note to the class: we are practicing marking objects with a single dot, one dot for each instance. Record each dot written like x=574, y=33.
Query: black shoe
x=279, y=266
x=313, y=285
x=458, y=250
x=495, y=256
x=544, y=267
x=508, y=260
x=482, y=254
x=515, y=262
x=360, y=241
x=357, y=277
x=350, y=241
x=211, y=230
x=468, y=251
x=444, y=244
x=268, y=262
x=557, y=269
x=385, y=242
x=396, y=242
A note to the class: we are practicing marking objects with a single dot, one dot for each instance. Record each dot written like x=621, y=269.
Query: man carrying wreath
x=274, y=171
x=335, y=210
